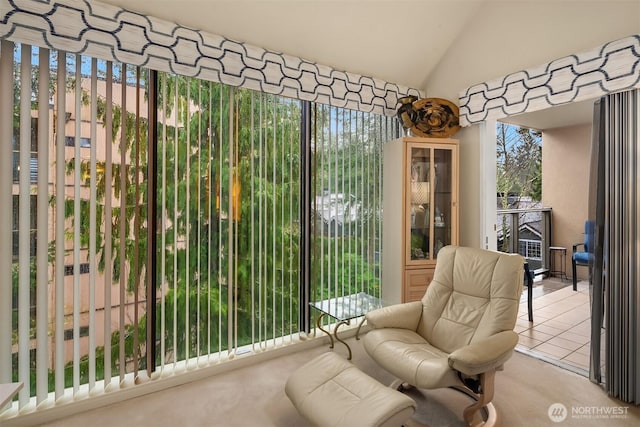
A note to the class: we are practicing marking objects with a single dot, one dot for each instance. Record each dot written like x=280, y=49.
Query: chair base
x=574, y=279
x=482, y=403
x=491, y=419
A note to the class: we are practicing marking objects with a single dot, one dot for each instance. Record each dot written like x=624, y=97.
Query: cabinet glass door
x=442, y=199
x=430, y=205
x=419, y=180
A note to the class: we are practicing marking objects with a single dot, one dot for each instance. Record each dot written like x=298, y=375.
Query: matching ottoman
x=330, y=391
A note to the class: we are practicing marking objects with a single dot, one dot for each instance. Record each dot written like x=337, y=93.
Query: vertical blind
x=615, y=207
x=77, y=317
x=75, y=294
x=229, y=202
x=347, y=203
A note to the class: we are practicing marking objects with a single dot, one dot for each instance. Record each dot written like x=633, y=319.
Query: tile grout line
x=551, y=330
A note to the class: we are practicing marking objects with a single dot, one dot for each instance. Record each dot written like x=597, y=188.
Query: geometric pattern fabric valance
x=112, y=33
x=612, y=67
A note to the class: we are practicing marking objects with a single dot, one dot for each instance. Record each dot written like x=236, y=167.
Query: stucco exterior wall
x=565, y=184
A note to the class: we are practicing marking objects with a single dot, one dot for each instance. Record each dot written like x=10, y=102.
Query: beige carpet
x=255, y=397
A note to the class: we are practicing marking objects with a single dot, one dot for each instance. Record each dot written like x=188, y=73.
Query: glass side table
x=344, y=309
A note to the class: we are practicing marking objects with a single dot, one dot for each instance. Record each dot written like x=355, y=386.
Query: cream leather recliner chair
x=460, y=333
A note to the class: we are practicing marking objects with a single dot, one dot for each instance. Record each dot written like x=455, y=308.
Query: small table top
x=349, y=306
x=557, y=248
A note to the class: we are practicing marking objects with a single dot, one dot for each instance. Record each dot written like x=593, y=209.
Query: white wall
x=470, y=194
x=508, y=36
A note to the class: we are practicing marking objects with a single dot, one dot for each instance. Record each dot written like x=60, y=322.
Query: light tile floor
x=561, y=327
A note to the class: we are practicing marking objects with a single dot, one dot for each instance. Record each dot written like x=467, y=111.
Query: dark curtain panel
x=616, y=269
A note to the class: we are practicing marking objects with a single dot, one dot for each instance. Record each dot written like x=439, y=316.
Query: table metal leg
x=335, y=334
x=318, y=324
x=360, y=326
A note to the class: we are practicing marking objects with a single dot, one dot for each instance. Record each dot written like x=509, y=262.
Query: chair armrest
x=401, y=316
x=482, y=356
x=575, y=247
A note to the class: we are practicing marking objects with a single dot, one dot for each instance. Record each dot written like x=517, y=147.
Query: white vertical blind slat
x=365, y=195
x=6, y=199
x=230, y=216
x=362, y=195
x=319, y=189
x=176, y=157
x=252, y=230
x=282, y=219
x=274, y=218
x=292, y=284
x=198, y=220
x=136, y=228
x=336, y=258
x=265, y=223
x=187, y=282
x=235, y=209
x=211, y=209
x=122, y=220
x=93, y=228
x=260, y=220
x=24, y=224
x=349, y=193
x=219, y=197
x=108, y=215
x=379, y=138
x=42, y=276
x=210, y=215
x=76, y=224
x=163, y=226
x=340, y=191
x=59, y=227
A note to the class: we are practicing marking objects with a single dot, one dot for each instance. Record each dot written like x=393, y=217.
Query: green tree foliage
x=236, y=160
x=519, y=168
x=519, y=161
x=347, y=153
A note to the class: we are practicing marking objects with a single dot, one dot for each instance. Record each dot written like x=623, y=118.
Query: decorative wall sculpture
x=609, y=68
x=428, y=117
x=108, y=32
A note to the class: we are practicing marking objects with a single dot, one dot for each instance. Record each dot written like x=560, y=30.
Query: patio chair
x=585, y=256
x=459, y=334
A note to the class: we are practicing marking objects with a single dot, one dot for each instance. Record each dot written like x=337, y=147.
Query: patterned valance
x=610, y=68
x=111, y=33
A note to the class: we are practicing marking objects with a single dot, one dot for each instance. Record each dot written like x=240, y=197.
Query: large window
x=129, y=254
x=347, y=202
x=228, y=198
x=78, y=264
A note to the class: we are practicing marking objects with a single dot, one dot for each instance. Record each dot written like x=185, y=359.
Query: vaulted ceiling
x=401, y=41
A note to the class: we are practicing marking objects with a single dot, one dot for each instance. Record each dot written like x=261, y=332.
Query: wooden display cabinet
x=420, y=212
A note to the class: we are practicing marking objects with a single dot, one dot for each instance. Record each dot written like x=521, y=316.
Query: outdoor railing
x=527, y=232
